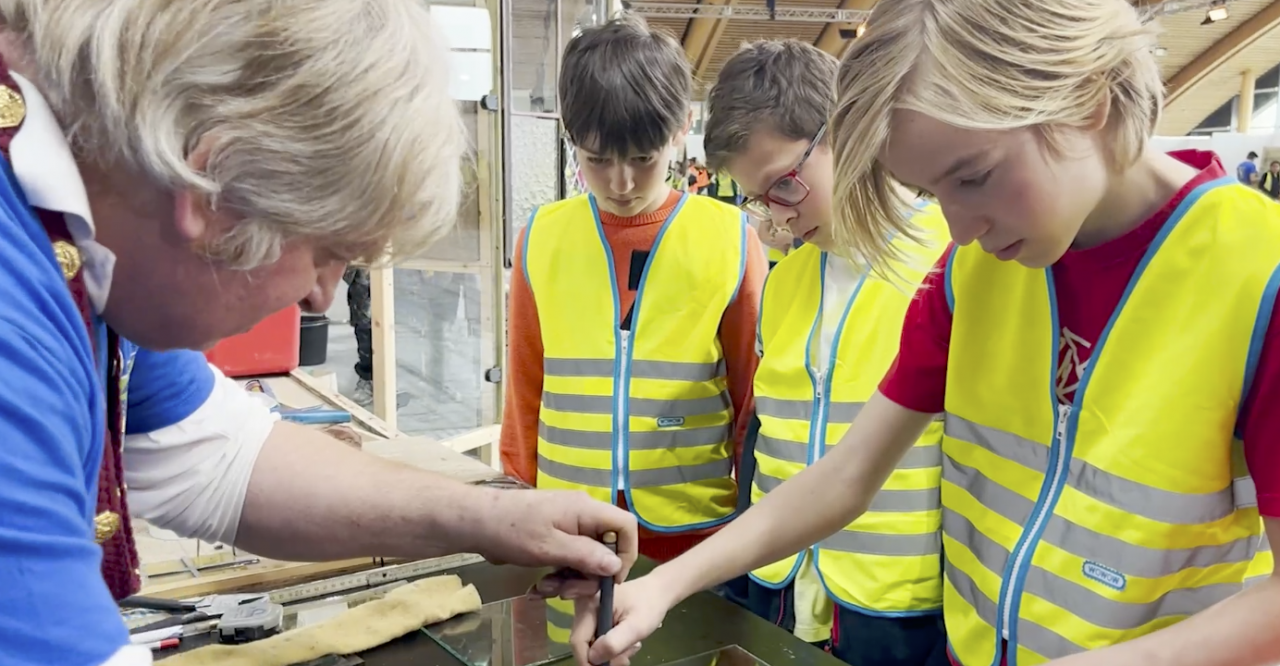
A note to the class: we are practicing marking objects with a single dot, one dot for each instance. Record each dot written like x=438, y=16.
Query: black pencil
x=604, y=616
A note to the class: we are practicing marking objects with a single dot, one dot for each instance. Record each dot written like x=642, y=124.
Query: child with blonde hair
x=1100, y=339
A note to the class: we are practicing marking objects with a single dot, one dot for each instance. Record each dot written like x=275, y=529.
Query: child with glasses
x=828, y=331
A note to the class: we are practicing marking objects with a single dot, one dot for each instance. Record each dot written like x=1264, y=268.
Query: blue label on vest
x=670, y=421
x=1103, y=574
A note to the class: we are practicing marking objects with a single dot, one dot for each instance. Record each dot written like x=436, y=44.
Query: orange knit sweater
x=523, y=376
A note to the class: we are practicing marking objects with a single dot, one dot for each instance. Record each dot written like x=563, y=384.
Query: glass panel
x=438, y=375
x=515, y=632
x=534, y=55
x=462, y=243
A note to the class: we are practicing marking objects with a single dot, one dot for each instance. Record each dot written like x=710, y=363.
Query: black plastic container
x=313, y=345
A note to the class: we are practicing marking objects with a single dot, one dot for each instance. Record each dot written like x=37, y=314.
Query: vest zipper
x=620, y=393
x=1055, y=480
x=818, y=433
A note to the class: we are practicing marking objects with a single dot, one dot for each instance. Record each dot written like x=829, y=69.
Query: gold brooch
x=105, y=526
x=68, y=258
x=12, y=109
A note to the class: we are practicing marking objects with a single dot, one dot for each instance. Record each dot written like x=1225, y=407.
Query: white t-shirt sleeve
x=130, y=655
x=191, y=477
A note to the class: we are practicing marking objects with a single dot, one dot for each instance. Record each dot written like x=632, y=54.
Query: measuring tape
x=364, y=579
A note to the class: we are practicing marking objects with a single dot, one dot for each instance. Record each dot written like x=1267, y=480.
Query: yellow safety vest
x=559, y=621
x=776, y=255
x=887, y=562
x=1075, y=527
x=725, y=184
x=645, y=410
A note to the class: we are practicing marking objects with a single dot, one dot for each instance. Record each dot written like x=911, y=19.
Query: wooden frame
x=490, y=270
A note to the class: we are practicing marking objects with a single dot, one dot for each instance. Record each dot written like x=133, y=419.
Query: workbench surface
x=701, y=624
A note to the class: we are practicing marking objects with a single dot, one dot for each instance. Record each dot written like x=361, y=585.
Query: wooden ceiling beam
x=1244, y=36
x=830, y=40
x=701, y=37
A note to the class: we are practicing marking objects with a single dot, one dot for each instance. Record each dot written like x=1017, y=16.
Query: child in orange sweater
x=633, y=308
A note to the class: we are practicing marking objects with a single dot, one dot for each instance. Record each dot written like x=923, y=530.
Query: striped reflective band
x=557, y=617
x=1126, y=558
x=802, y=410
x=652, y=440
x=886, y=501
x=918, y=457
x=1076, y=599
x=874, y=543
x=1135, y=498
x=595, y=367
x=603, y=404
x=637, y=478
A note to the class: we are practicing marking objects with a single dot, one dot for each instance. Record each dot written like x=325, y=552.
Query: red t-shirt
x=1089, y=285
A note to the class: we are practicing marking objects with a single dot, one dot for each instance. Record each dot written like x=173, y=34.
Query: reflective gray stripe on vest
x=1160, y=505
x=872, y=543
x=1126, y=558
x=887, y=501
x=802, y=410
x=558, y=618
x=640, y=369
x=603, y=404
x=637, y=478
x=1030, y=635
x=636, y=441
x=917, y=457
x=1069, y=595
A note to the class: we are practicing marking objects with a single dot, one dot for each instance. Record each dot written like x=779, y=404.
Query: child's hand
x=638, y=609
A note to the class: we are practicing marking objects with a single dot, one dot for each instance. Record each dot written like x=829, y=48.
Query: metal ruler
x=364, y=579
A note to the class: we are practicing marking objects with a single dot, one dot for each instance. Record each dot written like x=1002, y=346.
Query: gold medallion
x=105, y=526
x=12, y=109
x=68, y=258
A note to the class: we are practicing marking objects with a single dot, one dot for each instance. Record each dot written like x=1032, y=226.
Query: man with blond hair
x=173, y=172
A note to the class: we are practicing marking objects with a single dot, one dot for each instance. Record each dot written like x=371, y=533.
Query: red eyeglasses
x=788, y=190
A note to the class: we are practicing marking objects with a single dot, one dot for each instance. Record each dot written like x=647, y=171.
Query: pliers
x=192, y=610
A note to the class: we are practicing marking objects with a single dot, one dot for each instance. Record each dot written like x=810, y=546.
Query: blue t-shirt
x=1246, y=171
x=54, y=605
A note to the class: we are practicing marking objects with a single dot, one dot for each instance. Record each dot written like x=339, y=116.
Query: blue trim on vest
x=949, y=289
x=528, y=233
x=1259, y=337
x=764, y=289
x=1061, y=451
x=823, y=419
x=742, y=256
x=617, y=337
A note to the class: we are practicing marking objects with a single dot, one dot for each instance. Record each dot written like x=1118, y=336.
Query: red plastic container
x=270, y=348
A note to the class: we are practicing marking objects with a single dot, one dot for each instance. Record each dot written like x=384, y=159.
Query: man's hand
x=538, y=528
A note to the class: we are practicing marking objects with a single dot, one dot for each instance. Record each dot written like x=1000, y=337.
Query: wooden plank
x=484, y=438
x=433, y=456
x=273, y=573
x=383, y=315
x=359, y=414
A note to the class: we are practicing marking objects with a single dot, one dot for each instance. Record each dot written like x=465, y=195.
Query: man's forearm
x=314, y=498
x=803, y=510
x=1237, y=632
